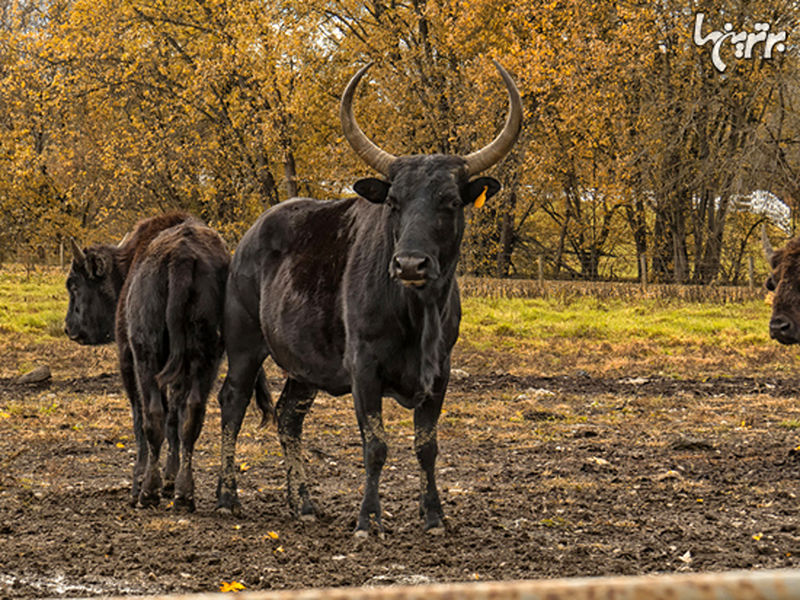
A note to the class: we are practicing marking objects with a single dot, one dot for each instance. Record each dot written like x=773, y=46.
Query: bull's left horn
x=378, y=159
x=77, y=253
x=766, y=244
x=491, y=154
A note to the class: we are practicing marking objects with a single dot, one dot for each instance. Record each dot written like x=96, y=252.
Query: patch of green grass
x=34, y=304
x=669, y=324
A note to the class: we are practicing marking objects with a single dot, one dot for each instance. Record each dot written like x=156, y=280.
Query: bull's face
x=424, y=202
x=785, y=283
x=92, y=298
x=425, y=196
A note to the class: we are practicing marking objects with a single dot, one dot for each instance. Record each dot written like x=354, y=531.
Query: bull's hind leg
x=426, y=418
x=233, y=400
x=132, y=390
x=246, y=351
x=153, y=413
x=293, y=405
x=192, y=413
x=173, y=447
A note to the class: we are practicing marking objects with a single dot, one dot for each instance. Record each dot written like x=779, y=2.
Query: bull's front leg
x=426, y=447
x=369, y=411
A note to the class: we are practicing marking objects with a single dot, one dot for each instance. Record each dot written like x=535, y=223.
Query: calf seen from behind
x=160, y=295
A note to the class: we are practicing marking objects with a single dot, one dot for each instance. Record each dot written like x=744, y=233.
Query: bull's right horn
x=77, y=253
x=766, y=244
x=482, y=159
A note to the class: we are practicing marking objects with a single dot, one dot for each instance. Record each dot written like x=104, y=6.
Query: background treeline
x=633, y=144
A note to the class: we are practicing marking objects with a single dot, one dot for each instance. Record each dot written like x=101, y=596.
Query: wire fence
x=485, y=287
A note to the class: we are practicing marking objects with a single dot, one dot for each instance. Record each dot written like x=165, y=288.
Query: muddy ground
x=575, y=474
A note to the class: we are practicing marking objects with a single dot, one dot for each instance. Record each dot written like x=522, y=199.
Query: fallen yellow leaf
x=120, y=445
x=244, y=467
x=757, y=536
x=279, y=549
x=273, y=534
x=233, y=586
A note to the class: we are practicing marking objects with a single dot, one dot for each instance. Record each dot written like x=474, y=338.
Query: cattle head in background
x=425, y=195
x=784, y=281
x=93, y=284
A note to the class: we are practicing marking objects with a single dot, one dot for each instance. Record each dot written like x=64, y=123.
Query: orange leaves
x=233, y=586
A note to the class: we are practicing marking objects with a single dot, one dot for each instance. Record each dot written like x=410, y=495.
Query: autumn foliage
x=633, y=143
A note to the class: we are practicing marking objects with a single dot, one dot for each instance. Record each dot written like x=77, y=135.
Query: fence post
x=541, y=270
x=643, y=268
x=751, y=272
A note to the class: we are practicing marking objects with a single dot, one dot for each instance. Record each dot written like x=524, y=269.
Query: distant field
x=602, y=332
x=32, y=303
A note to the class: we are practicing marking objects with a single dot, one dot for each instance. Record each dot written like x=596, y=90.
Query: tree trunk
x=507, y=235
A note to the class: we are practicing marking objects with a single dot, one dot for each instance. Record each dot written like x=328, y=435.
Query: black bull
x=356, y=295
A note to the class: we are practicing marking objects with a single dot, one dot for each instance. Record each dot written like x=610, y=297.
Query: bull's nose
x=75, y=337
x=410, y=268
x=782, y=329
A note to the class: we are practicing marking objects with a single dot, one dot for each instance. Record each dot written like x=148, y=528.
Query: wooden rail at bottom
x=734, y=585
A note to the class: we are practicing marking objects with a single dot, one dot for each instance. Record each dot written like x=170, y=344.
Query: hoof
x=361, y=534
x=308, y=518
x=436, y=530
x=183, y=504
x=234, y=510
x=149, y=500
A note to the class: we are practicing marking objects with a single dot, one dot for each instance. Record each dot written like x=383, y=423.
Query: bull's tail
x=264, y=400
x=178, y=290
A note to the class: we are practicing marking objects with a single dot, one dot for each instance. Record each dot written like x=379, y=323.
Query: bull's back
x=187, y=265
x=288, y=270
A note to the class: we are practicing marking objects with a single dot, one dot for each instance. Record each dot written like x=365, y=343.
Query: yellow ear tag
x=479, y=202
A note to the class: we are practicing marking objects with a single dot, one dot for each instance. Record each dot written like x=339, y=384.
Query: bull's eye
x=450, y=202
x=770, y=284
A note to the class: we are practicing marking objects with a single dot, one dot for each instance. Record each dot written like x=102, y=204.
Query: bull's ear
x=481, y=189
x=372, y=189
x=96, y=265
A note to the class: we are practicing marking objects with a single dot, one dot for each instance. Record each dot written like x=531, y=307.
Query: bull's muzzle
x=783, y=329
x=411, y=269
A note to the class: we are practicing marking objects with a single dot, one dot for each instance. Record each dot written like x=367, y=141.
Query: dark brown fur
x=784, y=326
x=164, y=286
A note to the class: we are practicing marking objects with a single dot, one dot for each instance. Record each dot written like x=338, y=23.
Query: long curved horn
x=378, y=159
x=482, y=159
x=77, y=253
x=766, y=244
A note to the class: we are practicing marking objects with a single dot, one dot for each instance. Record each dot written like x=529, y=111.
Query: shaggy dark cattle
x=357, y=295
x=784, y=326
x=160, y=293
